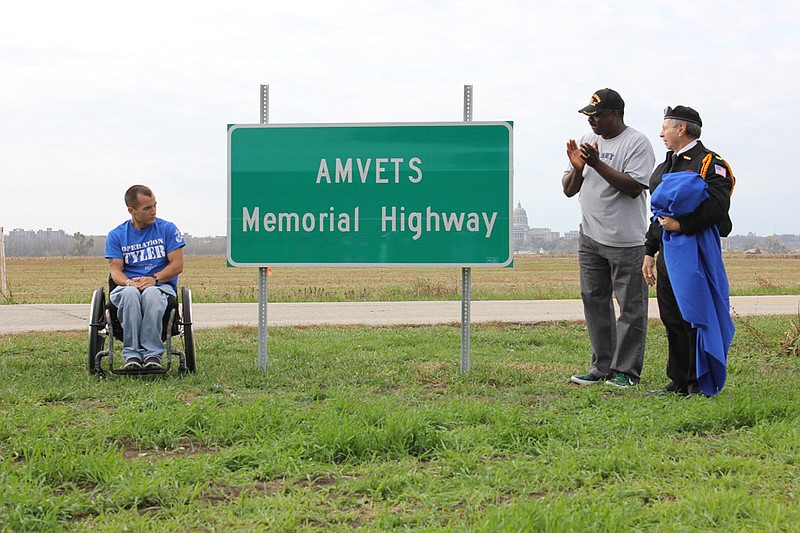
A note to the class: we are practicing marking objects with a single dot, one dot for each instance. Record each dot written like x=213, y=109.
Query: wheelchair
x=176, y=325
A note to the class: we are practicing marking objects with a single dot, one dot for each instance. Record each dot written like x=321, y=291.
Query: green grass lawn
x=374, y=428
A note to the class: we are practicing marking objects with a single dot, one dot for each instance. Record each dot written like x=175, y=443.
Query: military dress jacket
x=714, y=211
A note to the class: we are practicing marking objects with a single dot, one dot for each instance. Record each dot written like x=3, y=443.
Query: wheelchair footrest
x=140, y=371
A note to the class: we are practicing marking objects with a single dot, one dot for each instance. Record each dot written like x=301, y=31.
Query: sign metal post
x=466, y=272
x=3, y=282
x=263, y=272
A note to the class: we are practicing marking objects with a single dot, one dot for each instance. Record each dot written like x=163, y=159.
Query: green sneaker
x=621, y=381
x=586, y=379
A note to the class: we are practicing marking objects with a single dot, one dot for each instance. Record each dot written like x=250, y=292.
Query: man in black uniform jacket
x=681, y=134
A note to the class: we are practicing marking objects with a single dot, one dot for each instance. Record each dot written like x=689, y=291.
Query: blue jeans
x=141, y=315
x=608, y=271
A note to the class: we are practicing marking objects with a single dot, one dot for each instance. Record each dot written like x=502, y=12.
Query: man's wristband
x=154, y=277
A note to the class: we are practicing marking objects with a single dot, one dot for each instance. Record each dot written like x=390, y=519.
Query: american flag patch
x=722, y=171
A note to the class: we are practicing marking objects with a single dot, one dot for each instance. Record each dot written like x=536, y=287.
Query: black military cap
x=681, y=112
x=601, y=100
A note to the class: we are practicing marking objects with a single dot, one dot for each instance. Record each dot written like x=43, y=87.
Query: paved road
x=65, y=317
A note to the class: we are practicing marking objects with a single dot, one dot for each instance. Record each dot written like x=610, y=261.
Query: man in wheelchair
x=145, y=254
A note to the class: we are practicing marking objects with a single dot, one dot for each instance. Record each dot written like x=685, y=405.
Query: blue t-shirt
x=144, y=252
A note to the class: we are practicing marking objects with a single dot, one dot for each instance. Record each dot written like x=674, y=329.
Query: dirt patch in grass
x=220, y=493
x=534, y=368
x=319, y=482
x=433, y=375
x=132, y=451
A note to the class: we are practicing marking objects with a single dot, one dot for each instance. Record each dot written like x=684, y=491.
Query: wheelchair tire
x=188, y=332
x=97, y=323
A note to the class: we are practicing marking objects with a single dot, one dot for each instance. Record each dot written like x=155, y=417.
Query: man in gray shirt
x=610, y=169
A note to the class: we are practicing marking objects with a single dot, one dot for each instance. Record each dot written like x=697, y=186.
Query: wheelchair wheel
x=188, y=333
x=97, y=323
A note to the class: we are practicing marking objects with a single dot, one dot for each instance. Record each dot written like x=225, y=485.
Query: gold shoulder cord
x=706, y=163
x=733, y=178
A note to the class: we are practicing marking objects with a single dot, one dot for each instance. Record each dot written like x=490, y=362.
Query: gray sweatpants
x=617, y=343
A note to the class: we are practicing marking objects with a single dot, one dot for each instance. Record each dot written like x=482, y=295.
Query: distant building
x=44, y=234
x=526, y=237
x=521, y=227
x=544, y=234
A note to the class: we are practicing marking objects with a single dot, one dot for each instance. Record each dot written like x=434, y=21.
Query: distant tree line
x=550, y=246
x=49, y=243
x=773, y=244
x=750, y=243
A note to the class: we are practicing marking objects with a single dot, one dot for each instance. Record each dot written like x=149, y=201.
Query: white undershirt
x=687, y=147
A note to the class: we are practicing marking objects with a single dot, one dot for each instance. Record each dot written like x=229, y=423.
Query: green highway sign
x=397, y=194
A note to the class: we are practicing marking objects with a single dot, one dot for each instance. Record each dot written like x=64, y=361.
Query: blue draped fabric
x=695, y=267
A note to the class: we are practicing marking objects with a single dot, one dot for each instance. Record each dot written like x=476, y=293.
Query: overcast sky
x=96, y=96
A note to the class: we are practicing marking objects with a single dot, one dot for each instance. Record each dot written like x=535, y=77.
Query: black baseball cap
x=681, y=112
x=601, y=100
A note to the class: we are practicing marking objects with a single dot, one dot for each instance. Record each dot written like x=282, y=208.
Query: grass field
x=375, y=429
x=370, y=428
x=72, y=279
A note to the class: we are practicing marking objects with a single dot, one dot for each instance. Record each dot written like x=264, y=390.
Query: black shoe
x=153, y=363
x=134, y=363
x=671, y=388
